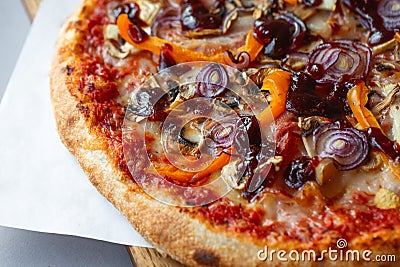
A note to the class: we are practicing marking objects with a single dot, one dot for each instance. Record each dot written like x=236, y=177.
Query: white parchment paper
x=42, y=187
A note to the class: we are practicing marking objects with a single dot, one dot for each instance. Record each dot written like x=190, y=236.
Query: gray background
x=25, y=248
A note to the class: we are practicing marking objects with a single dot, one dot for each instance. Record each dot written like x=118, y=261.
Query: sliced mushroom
x=303, y=13
x=395, y=115
x=325, y=172
x=232, y=176
x=228, y=19
x=391, y=101
x=385, y=103
x=203, y=32
x=275, y=160
x=386, y=199
x=257, y=13
x=148, y=10
x=384, y=47
x=309, y=124
x=328, y=5
x=375, y=162
x=257, y=76
x=191, y=132
x=115, y=45
x=308, y=145
x=385, y=66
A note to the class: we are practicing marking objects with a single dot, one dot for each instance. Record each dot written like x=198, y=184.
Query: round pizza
x=240, y=133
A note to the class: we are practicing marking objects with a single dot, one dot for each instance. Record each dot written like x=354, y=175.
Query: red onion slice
x=299, y=27
x=339, y=61
x=348, y=147
x=389, y=10
x=212, y=80
x=168, y=16
x=221, y=133
x=239, y=60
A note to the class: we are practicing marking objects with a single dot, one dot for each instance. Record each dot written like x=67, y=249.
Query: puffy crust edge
x=170, y=230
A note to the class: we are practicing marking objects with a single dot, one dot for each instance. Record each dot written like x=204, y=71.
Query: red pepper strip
x=181, y=54
x=277, y=83
x=357, y=97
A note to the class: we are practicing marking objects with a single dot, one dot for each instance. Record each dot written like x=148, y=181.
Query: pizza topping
x=197, y=20
x=238, y=60
x=385, y=103
x=357, y=97
x=389, y=10
x=325, y=171
x=300, y=171
x=277, y=83
x=347, y=146
x=137, y=34
x=182, y=54
x=221, y=133
x=212, y=80
x=132, y=9
x=115, y=45
x=309, y=124
x=301, y=98
x=381, y=17
x=169, y=16
x=381, y=142
x=386, y=199
x=279, y=34
x=339, y=61
x=374, y=163
x=166, y=57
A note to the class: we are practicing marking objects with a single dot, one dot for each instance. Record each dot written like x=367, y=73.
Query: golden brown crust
x=168, y=228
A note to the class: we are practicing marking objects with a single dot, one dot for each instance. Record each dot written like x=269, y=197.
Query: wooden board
x=141, y=257
x=31, y=7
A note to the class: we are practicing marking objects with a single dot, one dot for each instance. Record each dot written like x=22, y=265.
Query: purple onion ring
x=212, y=80
x=389, y=10
x=348, y=147
x=341, y=60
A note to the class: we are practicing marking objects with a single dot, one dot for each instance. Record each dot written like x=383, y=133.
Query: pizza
x=228, y=130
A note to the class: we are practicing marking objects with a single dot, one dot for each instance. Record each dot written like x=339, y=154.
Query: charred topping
x=196, y=16
x=381, y=17
x=381, y=142
x=166, y=59
x=300, y=171
x=132, y=10
x=136, y=33
x=280, y=32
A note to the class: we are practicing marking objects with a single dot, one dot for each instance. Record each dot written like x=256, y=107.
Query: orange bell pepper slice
x=357, y=97
x=185, y=177
x=292, y=2
x=277, y=83
x=216, y=165
x=181, y=54
x=397, y=36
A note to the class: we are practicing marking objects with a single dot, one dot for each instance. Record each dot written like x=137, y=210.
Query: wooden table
x=139, y=256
